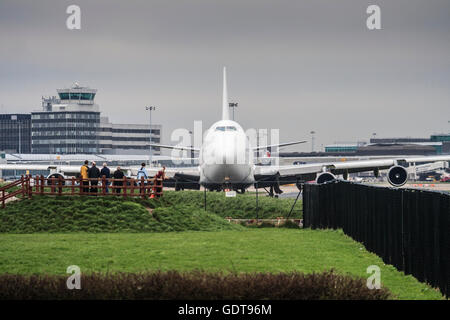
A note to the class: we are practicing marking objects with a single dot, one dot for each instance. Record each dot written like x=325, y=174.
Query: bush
x=290, y=224
x=193, y=285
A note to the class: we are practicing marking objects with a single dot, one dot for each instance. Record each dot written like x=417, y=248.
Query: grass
x=176, y=211
x=100, y=214
x=243, y=206
x=251, y=250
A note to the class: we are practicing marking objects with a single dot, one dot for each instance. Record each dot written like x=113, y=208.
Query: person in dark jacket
x=118, y=174
x=94, y=173
x=105, y=172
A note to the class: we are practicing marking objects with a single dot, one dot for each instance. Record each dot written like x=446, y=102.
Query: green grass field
x=47, y=234
x=270, y=250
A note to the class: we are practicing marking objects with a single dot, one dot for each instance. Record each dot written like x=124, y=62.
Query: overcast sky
x=293, y=65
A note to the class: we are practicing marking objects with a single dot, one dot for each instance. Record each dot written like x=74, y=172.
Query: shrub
x=194, y=285
x=289, y=224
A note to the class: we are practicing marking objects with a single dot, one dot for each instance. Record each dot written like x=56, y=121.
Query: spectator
x=94, y=173
x=105, y=172
x=118, y=175
x=157, y=188
x=142, y=173
x=84, y=176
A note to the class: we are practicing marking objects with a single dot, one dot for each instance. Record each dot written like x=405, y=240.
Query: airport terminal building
x=15, y=133
x=71, y=123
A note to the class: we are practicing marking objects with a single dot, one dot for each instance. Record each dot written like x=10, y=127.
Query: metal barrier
x=407, y=228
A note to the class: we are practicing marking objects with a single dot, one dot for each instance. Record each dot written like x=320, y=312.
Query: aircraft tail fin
x=225, y=106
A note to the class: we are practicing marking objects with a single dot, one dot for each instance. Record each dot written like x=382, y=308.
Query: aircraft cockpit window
x=228, y=128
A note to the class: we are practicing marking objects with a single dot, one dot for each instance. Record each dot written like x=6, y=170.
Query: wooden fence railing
x=10, y=190
x=28, y=186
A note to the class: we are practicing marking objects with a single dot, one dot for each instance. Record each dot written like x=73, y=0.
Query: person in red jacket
x=156, y=187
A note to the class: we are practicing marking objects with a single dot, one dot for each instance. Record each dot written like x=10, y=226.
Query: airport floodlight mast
x=150, y=109
x=233, y=105
x=312, y=140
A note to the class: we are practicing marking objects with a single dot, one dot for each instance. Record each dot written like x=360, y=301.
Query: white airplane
x=226, y=161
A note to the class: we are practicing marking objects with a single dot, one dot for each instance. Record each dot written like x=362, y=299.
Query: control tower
x=68, y=123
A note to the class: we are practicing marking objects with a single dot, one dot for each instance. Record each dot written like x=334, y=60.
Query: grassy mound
x=243, y=206
x=101, y=214
x=193, y=286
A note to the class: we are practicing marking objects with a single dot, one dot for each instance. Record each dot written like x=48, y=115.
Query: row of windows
x=51, y=142
x=14, y=125
x=65, y=115
x=69, y=133
x=76, y=96
x=153, y=131
x=66, y=150
x=108, y=146
x=145, y=139
x=65, y=125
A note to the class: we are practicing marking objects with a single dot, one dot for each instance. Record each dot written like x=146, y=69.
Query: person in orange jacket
x=84, y=176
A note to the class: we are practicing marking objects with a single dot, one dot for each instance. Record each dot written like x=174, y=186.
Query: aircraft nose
x=227, y=152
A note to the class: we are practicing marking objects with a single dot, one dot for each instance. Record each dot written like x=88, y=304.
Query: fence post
x=125, y=187
x=103, y=185
x=30, y=187
x=22, y=183
x=132, y=186
x=42, y=184
x=142, y=188
x=73, y=185
x=59, y=185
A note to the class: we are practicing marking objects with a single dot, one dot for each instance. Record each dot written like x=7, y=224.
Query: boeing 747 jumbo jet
x=226, y=161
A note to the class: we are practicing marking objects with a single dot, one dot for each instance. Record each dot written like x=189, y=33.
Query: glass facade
x=65, y=132
x=15, y=133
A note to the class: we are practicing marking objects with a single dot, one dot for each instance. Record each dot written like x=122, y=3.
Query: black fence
x=407, y=228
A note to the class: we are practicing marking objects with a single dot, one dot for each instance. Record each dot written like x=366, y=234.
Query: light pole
x=150, y=109
x=192, y=146
x=312, y=140
x=233, y=105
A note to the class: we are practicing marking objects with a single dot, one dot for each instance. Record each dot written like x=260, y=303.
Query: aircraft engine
x=397, y=176
x=56, y=176
x=325, y=177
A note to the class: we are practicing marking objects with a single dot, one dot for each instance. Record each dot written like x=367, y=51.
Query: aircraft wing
x=169, y=172
x=279, y=145
x=175, y=147
x=306, y=172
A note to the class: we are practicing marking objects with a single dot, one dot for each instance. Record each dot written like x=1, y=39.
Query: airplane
x=226, y=161
x=226, y=140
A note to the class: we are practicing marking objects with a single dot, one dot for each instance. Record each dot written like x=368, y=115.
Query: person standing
x=105, y=172
x=157, y=187
x=142, y=173
x=84, y=176
x=118, y=175
x=94, y=173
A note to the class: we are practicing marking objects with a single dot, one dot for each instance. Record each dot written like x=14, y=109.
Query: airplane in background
x=226, y=140
x=226, y=161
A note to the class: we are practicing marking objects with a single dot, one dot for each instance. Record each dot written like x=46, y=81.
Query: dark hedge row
x=193, y=285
